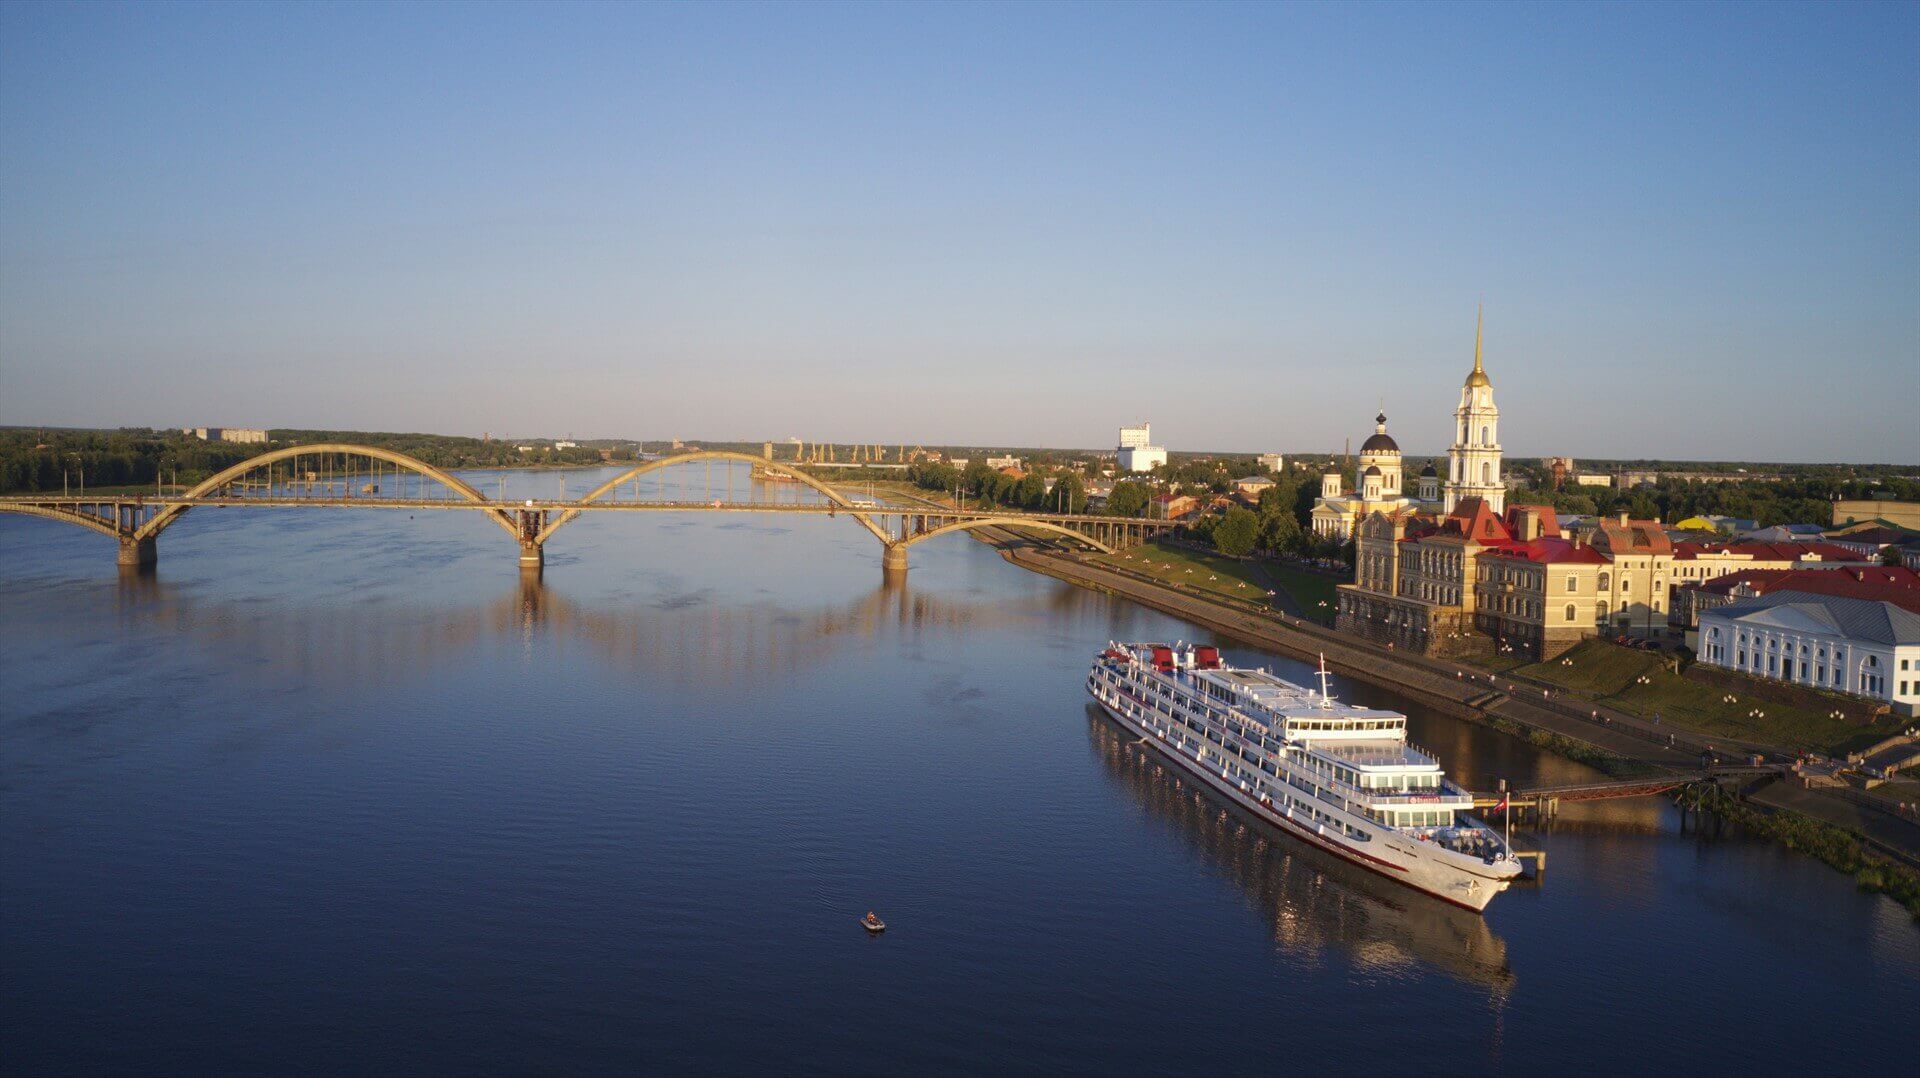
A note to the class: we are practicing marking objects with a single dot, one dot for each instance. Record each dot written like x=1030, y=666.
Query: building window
x=1573, y=583
x=1571, y=612
x=1606, y=581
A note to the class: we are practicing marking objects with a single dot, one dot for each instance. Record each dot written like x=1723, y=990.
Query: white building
x=1832, y=642
x=1272, y=462
x=1473, y=462
x=243, y=435
x=997, y=463
x=1137, y=452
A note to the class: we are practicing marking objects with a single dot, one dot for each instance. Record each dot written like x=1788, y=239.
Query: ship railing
x=1374, y=797
x=1393, y=795
x=1475, y=841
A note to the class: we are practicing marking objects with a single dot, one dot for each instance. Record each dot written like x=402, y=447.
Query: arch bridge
x=342, y=476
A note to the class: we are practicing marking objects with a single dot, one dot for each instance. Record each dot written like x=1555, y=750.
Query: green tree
x=1127, y=500
x=1279, y=531
x=1030, y=492
x=1069, y=494
x=978, y=479
x=1237, y=532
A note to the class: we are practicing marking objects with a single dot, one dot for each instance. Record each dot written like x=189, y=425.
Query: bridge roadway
x=378, y=501
x=137, y=519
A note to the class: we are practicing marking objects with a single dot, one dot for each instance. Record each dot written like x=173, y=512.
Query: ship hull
x=1466, y=890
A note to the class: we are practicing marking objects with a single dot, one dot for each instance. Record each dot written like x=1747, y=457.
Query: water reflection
x=680, y=639
x=1314, y=901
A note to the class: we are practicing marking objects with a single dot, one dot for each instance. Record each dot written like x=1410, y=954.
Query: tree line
x=1789, y=500
x=986, y=486
x=48, y=461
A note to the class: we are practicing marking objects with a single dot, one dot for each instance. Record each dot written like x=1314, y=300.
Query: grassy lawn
x=1203, y=572
x=1248, y=580
x=1611, y=674
x=1308, y=589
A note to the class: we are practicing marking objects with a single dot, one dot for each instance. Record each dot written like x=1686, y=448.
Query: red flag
x=1501, y=807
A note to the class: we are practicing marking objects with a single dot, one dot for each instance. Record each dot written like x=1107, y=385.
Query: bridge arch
x=171, y=513
x=1003, y=522
x=65, y=516
x=796, y=474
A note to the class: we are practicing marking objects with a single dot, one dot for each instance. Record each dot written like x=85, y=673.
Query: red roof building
x=1887, y=584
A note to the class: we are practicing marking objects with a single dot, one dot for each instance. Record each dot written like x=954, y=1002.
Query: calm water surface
x=340, y=791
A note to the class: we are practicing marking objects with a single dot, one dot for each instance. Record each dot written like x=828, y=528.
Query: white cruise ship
x=1342, y=778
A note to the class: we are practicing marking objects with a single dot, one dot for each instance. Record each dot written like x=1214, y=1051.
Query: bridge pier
x=532, y=555
x=138, y=551
x=893, y=561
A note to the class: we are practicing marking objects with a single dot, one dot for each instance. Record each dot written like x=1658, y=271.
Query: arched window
x=1486, y=472
x=1713, y=633
x=1486, y=435
x=1571, y=612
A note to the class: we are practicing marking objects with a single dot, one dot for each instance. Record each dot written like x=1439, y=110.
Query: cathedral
x=1473, y=467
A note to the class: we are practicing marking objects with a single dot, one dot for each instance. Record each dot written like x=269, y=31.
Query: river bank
x=1617, y=743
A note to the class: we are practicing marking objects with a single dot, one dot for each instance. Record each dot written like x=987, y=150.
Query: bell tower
x=1473, y=462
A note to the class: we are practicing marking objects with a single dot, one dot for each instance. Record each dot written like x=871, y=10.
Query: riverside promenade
x=1452, y=688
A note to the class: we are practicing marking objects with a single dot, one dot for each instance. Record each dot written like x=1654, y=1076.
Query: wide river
x=339, y=791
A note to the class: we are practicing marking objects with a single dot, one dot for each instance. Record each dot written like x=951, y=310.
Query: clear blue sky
x=1696, y=228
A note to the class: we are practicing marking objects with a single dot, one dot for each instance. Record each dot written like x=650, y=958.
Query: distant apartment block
x=1272, y=462
x=243, y=435
x=1137, y=452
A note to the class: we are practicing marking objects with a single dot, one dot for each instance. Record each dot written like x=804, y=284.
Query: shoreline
x=1625, y=741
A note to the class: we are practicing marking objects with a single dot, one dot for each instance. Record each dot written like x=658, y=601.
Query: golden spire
x=1479, y=375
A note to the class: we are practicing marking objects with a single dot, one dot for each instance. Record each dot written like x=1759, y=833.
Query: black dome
x=1372, y=471
x=1380, y=443
x=1429, y=473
